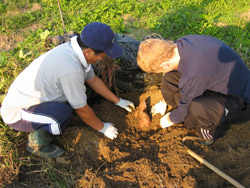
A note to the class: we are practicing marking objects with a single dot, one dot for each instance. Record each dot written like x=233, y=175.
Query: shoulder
x=63, y=59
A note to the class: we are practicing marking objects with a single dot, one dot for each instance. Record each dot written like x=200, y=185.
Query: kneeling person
x=205, y=81
x=36, y=100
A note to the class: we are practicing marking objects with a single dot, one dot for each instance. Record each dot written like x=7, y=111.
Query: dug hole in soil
x=150, y=156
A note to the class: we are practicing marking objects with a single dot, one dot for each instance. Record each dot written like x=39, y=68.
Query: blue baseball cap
x=100, y=36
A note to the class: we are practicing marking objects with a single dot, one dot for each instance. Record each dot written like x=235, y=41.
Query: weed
x=21, y=20
x=9, y=161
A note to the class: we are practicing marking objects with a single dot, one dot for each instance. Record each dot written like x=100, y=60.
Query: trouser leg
x=169, y=88
x=53, y=117
x=44, y=121
x=210, y=113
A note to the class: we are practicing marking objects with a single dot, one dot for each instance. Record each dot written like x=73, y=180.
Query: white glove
x=159, y=107
x=127, y=105
x=165, y=121
x=109, y=131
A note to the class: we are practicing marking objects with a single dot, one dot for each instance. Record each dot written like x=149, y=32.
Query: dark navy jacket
x=206, y=63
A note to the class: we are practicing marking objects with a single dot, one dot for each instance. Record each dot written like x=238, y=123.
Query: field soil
x=142, y=157
x=154, y=157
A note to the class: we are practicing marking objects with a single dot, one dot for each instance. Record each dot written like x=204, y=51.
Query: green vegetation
x=228, y=20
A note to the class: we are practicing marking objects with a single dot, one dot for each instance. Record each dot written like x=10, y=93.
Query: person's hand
x=127, y=105
x=109, y=131
x=159, y=108
x=165, y=121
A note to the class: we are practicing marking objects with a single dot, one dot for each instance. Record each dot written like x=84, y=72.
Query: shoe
x=47, y=151
x=206, y=142
x=39, y=143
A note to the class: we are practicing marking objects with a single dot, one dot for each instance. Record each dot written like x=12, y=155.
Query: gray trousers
x=211, y=113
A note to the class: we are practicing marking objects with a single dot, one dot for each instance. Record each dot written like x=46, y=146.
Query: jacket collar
x=80, y=54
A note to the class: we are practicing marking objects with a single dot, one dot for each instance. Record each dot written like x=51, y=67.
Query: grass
x=9, y=157
x=169, y=18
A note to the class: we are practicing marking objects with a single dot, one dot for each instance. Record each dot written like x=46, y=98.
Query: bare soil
x=154, y=157
x=143, y=157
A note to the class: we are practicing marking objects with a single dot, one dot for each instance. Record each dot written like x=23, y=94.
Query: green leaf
x=23, y=55
x=44, y=34
x=1, y=59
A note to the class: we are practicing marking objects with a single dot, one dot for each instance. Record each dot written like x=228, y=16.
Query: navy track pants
x=52, y=116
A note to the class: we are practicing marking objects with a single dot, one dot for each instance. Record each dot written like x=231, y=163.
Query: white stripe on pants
x=54, y=125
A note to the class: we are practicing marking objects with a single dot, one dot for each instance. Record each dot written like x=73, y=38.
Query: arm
x=99, y=87
x=74, y=82
x=190, y=89
x=88, y=116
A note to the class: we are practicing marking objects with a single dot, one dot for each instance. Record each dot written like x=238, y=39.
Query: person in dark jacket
x=205, y=81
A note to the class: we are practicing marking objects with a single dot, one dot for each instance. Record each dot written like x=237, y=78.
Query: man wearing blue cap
x=36, y=100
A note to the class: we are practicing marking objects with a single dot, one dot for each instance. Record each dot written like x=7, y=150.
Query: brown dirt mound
x=152, y=157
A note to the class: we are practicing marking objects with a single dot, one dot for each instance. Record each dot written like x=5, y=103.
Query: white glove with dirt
x=127, y=105
x=109, y=131
x=165, y=121
x=159, y=108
